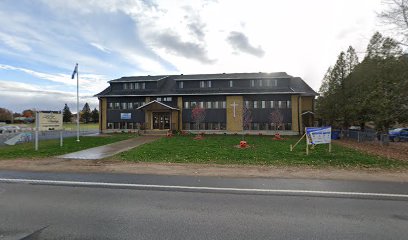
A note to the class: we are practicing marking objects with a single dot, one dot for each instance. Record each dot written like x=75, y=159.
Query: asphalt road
x=142, y=207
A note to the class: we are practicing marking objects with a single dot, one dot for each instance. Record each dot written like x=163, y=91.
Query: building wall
x=103, y=114
x=180, y=114
x=295, y=113
x=234, y=124
x=307, y=103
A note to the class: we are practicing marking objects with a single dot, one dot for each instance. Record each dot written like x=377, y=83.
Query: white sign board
x=49, y=120
x=318, y=135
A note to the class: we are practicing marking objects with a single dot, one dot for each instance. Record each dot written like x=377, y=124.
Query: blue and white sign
x=318, y=135
x=125, y=116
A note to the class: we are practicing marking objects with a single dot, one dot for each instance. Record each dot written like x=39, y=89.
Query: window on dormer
x=252, y=83
x=181, y=84
x=208, y=84
x=125, y=86
x=202, y=84
x=231, y=83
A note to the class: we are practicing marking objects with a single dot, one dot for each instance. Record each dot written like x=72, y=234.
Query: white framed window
x=209, y=105
x=125, y=86
x=202, y=84
x=124, y=105
x=263, y=104
x=208, y=84
x=186, y=105
x=131, y=85
x=137, y=85
x=193, y=104
x=268, y=82
x=272, y=104
x=181, y=84
x=252, y=83
x=231, y=83
x=255, y=104
x=159, y=99
x=117, y=105
x=282, y=104
x=260, y=82
x=130, y=105
x=247, y=104
x=167, y=99
x=288, y=104
x=110, y=105
x=216, y=104
x=201, y=104
x=224, y=104
x=275, y=82
x=143, y=85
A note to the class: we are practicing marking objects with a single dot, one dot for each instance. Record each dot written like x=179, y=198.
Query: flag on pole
x=75, y=71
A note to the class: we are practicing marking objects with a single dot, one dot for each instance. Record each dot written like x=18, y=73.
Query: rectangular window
x=180, y=84
x=117, y=105
x=231, y=84
x=252, y=83
x=159, y=99
x=201, y=104
x=263, y=104
x=125, y=86
x=130, y=105
x=208, y=84
x=143, y=85
x=216, y=104
x=288, y=104
x=137, y=85
x=209, y=105
x=255, y=104
x=167, y=99
x=110, y=125
x=110, y=105
x=202, y=84
x=275, y=82
x=131, y=85
x=193, y=104
x=186, y=105
x=260, y=82
x=224, y=104
x=268, y=82
x=247, y=105
x=282, y=104
x=124, y=105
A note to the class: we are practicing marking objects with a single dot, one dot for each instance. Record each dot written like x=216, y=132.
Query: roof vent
x=148, y=75
x=181, y=74
x=223, y=73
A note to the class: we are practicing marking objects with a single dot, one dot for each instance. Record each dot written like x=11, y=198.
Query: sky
x=40, y=42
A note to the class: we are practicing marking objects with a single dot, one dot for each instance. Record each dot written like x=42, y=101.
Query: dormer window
x=204, y=84
x=231, y=83
x=252, y=83
x=181, y=84
x=125, y=86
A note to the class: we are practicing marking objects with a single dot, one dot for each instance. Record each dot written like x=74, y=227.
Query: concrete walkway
x=109, y=149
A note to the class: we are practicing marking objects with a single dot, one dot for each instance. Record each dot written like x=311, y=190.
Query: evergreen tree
x=66, y=114
x=86, y=113
x=95, y=115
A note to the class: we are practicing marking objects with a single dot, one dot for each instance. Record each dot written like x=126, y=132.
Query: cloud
x=239, y=41
x=19, y=96
x=173, y=44
x=14, y=42
x=100, y=47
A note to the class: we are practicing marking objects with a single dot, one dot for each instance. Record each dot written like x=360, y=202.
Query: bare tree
x=396, y=15
x=276, y=119
x=198, y=115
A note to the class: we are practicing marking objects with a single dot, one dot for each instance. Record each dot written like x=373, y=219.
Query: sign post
x=318, y=135
x=48, y=121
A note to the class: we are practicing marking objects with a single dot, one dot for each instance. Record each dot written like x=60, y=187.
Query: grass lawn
x=263, y=151
x=48, y=148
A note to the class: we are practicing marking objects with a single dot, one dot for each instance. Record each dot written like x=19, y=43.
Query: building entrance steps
x=109, y=149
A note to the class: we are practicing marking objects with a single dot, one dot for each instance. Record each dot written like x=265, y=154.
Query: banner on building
x=126, y=116
x=318, y=135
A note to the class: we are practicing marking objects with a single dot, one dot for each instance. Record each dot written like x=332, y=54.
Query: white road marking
x=223, y=189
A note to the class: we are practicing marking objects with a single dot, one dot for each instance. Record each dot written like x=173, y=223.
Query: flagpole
x=77, y=102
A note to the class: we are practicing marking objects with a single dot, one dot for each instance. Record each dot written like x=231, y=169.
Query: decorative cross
x=234, y=105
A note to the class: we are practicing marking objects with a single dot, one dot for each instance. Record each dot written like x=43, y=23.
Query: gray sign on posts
x=48, y=121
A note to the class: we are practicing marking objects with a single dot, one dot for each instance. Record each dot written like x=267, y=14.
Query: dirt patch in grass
x=395, y=150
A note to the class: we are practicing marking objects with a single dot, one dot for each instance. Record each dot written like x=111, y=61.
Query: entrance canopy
x=156, y=105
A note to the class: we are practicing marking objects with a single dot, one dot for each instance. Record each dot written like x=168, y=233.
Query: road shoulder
x=245, y=171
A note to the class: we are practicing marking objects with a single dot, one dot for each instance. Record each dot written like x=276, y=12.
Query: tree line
x=86, y=115
x=373, y=90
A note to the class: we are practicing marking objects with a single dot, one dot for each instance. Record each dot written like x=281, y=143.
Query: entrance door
x=161, y=120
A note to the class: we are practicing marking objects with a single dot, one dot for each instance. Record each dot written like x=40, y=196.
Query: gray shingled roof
x=167, y=85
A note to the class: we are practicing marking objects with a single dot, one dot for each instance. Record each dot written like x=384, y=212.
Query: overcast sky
x=40, y=42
